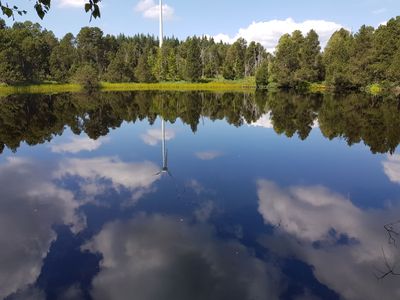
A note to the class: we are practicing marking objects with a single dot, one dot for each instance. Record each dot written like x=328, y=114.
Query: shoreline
x=245, y=85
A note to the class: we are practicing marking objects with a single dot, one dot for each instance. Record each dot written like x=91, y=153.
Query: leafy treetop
x=42, y=7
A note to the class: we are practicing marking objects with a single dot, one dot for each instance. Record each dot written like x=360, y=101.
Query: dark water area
x=195, y=195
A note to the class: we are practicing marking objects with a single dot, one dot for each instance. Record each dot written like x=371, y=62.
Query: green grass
x=179, y=86
x=247, y=84
x=47, y=88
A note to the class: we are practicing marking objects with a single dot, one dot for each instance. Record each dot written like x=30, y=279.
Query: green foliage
x=310, y=59
x=362, y=57
x=88, y=77
x=42, y=7
x=193, y=67
x=255, y=54
x=123, y=64
x=143, y=70
x=355, y=118
x=29, y=54
x=234, y=64
x=62, y=58
x=262, y=75
x=336, y=59
x=286, y=63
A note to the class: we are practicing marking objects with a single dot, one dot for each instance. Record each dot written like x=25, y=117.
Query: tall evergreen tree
x=143, y=70
x=287, y=60
x=234, y=64
x=193, y=68
x=362, y=57
x=310, y=63
x=63, y=58
x=336, y=59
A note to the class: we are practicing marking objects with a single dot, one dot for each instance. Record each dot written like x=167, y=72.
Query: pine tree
x=287, y=60
x=336, y=59
x=193, y=66
x=143, y=69
x=310, y=67
x=62, y=58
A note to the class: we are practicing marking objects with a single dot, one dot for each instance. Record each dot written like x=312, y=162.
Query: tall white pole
x=161, y=24
x=164, y=150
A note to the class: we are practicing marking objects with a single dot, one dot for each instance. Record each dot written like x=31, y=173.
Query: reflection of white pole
x=161, y=24
x=164, y=154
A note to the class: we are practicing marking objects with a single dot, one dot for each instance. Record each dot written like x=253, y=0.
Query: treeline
x=356, y=118
x=30, y=54
x=350, y=60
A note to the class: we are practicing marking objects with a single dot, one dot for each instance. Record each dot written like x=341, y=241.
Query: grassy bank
x=218, y=85
x=48, y=88
x=247, y=84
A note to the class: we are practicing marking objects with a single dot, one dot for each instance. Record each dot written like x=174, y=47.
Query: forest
x=31, y=54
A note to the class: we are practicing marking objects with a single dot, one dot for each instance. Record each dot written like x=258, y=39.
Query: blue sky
x=221, y=18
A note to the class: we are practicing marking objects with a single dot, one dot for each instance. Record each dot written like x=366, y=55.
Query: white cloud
x=304, y=216
x=30, y=205
x=379, y=11
x=268, y=33
x=159, y=257
x=153, y=136
x=208, y=155
x=78, y=144
x=71, y=3
x=150, y=10
x=391, y=168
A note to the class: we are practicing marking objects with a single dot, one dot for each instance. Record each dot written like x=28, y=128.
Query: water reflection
x=88, y=216
x=354, y=117
x=345, y=244
x=164, y=168
x=29, y=208
x=157, y=257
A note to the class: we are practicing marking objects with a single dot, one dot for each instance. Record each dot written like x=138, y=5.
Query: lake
x=199, y=195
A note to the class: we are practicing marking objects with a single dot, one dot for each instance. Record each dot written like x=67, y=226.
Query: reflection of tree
x=356, y=118
x=291, y=113
x=35, y=119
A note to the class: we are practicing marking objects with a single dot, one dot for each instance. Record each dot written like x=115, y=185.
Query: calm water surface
x=199, y=196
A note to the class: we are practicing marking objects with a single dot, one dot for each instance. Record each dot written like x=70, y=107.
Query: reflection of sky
x=240, y=202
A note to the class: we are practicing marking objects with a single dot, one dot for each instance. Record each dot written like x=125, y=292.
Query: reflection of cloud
x=208, y=155
x=153, y=136
x=264, y=121
x=161, y=258
x=29, y=206
x=204, y=212
x=150, y=9
x=78, y=144
x=341, y=241
x=196, y=186
x=392, y=168
x=136, y=177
